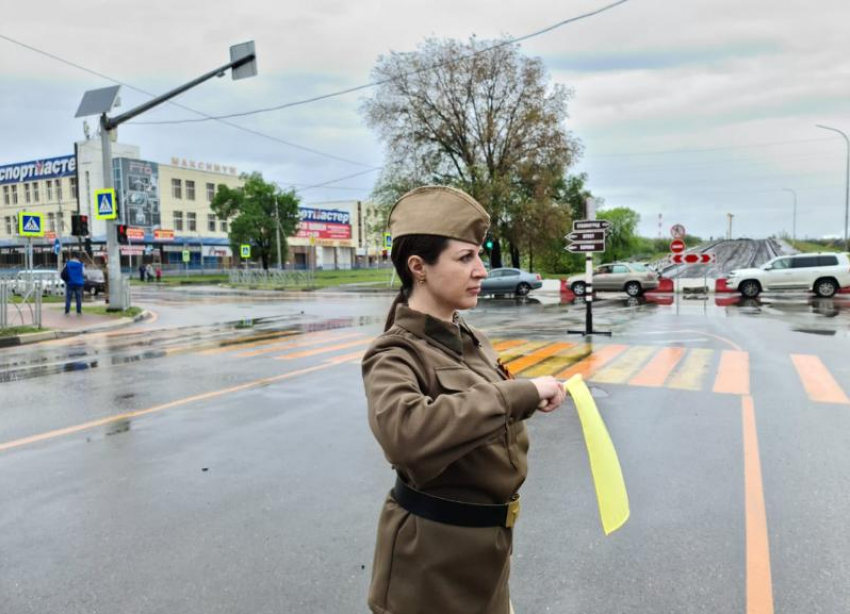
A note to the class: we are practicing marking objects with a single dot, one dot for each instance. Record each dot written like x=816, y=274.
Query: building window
x=58, y=185
x=51, y=222
x=210, y=191
x=211, y=223
x=49, y=185
x=6, y=199
x=223, y=225
x=35, y=192
x=27, y=193
x=61, y=221
x=190, y=190
x=177, y=188
x=14, y=195
x=9, y=225
x=73, y=187
x=178, y=220
x=191, y=221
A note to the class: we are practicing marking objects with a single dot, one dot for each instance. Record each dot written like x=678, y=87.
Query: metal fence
x=27, y=311
x=273, y=277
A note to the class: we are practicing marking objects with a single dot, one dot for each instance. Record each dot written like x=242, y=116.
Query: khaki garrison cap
x=442, y=211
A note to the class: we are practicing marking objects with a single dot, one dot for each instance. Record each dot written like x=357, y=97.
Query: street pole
x=794, y=226
x=846, y=185
x=243, y=64
x=113, y=254
x=277, y=229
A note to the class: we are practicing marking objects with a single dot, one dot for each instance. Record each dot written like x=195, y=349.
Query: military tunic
x=451, y=424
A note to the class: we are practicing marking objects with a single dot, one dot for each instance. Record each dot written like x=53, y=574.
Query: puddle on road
x=123, y=350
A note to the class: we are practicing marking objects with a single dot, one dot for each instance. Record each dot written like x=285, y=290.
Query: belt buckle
x=513, y=512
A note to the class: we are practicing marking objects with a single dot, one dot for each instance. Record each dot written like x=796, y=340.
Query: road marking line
x=692, y=372
x=817, y=380
x=594, y=362
x=508, y=344
x=733, y=374
x=519, y=365
x=157, y=408
x=560, y=361
x=522, y=350
x=322, y=350
x=659, y=368
x=296, y=343
x=249, y=341
x=625, y=366
x=759, y=584
x=353, y=357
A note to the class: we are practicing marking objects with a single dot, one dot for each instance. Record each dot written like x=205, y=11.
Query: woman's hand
x=551, y=392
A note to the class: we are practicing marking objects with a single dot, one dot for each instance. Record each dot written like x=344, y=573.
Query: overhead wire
x=287, y=105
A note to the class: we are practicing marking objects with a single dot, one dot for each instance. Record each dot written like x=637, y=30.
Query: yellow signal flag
x=604, y=465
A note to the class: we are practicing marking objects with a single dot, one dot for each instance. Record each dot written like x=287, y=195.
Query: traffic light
x=79, y=225
x=488, y=243
x=121, y=231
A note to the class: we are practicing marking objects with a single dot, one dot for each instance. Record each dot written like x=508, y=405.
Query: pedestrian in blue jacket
x=74, y=275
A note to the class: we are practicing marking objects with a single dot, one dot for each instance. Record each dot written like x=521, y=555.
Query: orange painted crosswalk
x=519, y=365
x=817, y=380
x=656, y=372
x=594, y=362
x=322, y=350
x=733, y=374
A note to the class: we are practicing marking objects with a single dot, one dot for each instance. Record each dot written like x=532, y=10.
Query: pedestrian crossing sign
x=104, y=204
x=245, y=251
x=30, y=224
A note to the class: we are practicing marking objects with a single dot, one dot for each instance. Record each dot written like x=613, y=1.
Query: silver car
x=47, y=279
x=510, y=281
x=633, y=278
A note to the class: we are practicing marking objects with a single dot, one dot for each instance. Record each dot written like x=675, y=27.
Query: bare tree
x=476, y=115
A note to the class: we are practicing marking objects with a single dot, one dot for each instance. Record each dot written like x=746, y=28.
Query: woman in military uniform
x=450, y=420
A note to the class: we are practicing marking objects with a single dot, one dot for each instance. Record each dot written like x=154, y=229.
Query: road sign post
x=588, y=237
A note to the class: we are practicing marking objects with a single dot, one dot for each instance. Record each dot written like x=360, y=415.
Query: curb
x=49, y=335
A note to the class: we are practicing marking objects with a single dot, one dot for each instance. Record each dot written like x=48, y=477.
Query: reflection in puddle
x=118, y=427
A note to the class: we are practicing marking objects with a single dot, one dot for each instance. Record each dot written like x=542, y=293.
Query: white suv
x=822, y=273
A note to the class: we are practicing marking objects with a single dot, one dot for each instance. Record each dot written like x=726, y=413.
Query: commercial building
x=167, y=210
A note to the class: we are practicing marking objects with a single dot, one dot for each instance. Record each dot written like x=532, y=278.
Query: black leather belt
x=458, y=513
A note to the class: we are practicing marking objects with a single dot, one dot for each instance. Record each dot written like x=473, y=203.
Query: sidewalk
x=59, y=325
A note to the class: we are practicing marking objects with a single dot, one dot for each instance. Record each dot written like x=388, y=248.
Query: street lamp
x=243, y=64
x=794, y=231
x=846, y=184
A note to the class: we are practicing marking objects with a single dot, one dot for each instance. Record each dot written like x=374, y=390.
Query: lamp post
x=243, y=64
x=794, y=227
x=846, y=184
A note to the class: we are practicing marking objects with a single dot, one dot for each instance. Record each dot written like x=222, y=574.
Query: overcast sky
x=689, y=109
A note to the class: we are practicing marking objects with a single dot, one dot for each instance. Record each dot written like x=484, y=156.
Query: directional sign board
x=57, y=246
x=706, y=258
x=583, y=248
x=591, y=225
x=245, y=251
x=30, y=224
x=593, y=235
x=104, y=204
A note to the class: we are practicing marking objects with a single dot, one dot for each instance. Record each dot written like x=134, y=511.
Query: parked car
x=95, y=281
x=633, y=278
x=822, y=273
x=49, y=280
x=510, y=281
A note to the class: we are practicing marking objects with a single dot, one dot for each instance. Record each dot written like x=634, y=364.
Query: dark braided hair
x=427, y=247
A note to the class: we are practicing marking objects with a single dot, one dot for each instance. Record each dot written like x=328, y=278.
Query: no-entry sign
x=677, y=246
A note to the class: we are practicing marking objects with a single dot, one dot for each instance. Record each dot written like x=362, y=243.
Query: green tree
x=485, y=121
x=621, y=238
x=254, y=211
x=570, y=195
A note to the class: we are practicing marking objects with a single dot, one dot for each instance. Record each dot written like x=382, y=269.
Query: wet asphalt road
x=248, y=480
